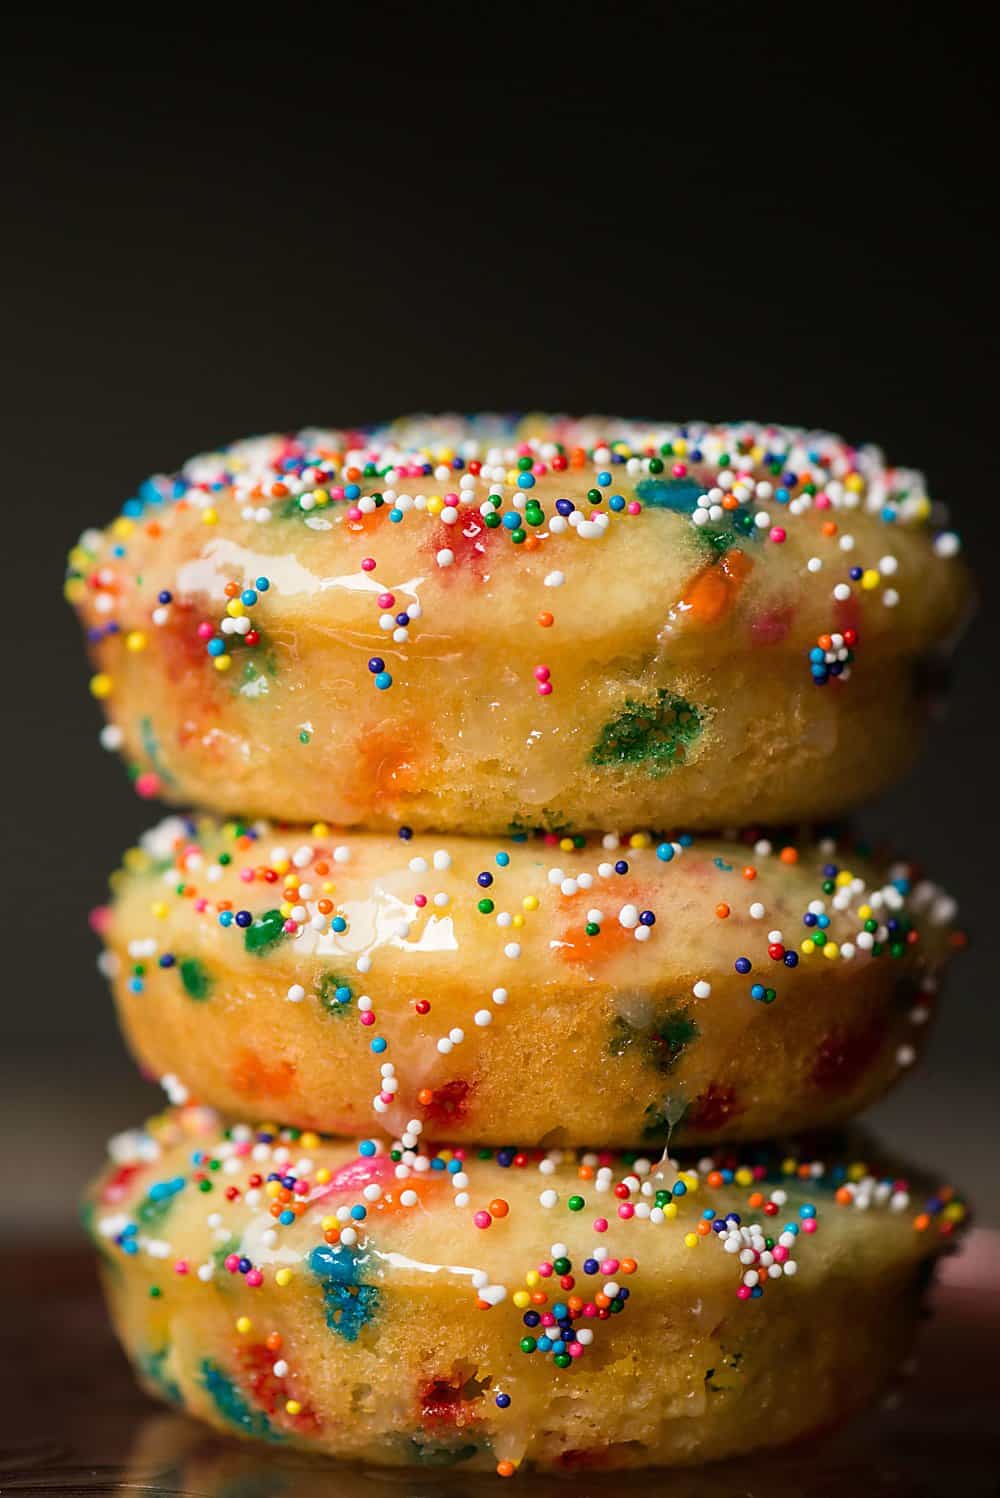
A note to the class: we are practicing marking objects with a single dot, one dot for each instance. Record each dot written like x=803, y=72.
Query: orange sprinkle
x=499, y=1208
x=829, y=527
x=722, y=911
x=273, y=1341
x=506, y=1469
x=627, y=1266
x=425, y=1096
x=789, y=855
x=546, y=620
x=749, y=872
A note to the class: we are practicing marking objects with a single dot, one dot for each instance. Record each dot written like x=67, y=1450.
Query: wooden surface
x=75, y=1424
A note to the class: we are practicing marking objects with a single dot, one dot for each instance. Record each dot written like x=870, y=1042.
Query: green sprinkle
x=656, y=735
x=195, y=977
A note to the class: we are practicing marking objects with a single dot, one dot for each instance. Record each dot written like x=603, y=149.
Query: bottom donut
x=498, y=1310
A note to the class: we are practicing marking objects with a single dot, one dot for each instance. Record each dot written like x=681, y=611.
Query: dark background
x=685, y=211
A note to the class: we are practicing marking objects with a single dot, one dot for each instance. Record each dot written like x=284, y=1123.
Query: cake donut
x=486, y=625
x=554, y=1310
x=546, y=990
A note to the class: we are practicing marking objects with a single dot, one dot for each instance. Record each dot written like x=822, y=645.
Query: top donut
x=488, y=625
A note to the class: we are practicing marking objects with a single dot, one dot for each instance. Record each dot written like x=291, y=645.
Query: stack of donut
x=511, y=986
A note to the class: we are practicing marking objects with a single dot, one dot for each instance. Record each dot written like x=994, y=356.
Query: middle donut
x=550, y=991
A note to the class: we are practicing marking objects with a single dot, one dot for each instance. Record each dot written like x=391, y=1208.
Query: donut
x=550, y=1310
x=486, y=625
x=545, y=990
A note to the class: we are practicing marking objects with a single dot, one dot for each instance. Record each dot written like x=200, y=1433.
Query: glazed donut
x=539, y=1310
x=552, y=991
x=484, y=626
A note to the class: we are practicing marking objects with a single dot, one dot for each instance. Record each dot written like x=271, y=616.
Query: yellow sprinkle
x=831, y=951
x=864, y=912
x=136, y=858
x=691, y=1240
x=310, y=1141
x=209, y=517
x=243, y=1325
x=521, y=1299
x=808, y=947
x=327, y=886
x=870, y=578
x=222, y=662
x=291, y=881
x=670, y=1210
x=743, y=1176
x=954, y=1211
x=80, y=559
x=283, y=1277
x=531, y=1278
x=101, y=685
x=854, y=481
x=135, y=641
x=435, y=505
x=690, y=1180
x=74, y=590
x=856, y=1171
x=680, y=447
x=788, y=1166
x=161, y=910
x=283, y=866
x=329, y=1223
x=320, y=829
x=234, y=608
x=530, y=902
x=122, y=526
x=285, y=909
x=321, y=497
x=566, y=844
x=844, y=877
x=517, y=920
x=272, y=1188
x=639, y=840
x=292, y=1407
x=922, y=507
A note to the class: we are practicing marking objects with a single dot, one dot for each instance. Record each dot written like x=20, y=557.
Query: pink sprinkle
x=385, y=1097
x=822, y=501
x=743, y=1293
x=626, y=1210
x=242, y=1147
x=181, y=1267
x=386, y=600
x=679, y=470
x=548, y=1319
x=809, y=1225
x=590, y=1309
x=600, y=1224
x=544, y=689
x=634, y=507
x=368, y=564
x=368, y=1017
x=482, y=1219
x=205, y=630
x=200, y=905
x=147, y=785
x=246, y=875
x=232, y=1262
x=780, y=1253
x=777, y=534
x=420, y=901
x=610, y=1266
x=254, y=1279
x=545, y=1270
x=290, y=927
x=337, y=492
x=354, y=513
x=575, y=1349
x=542, y=673
x=551, y=839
